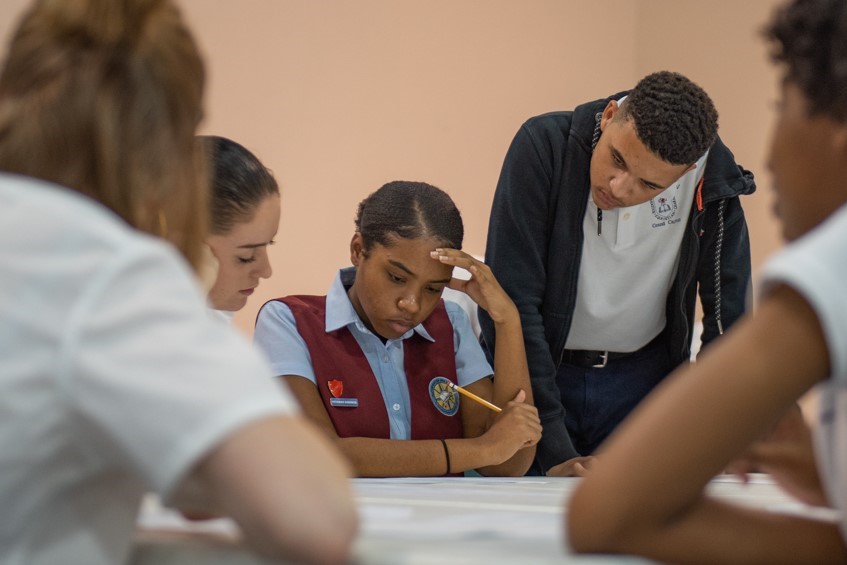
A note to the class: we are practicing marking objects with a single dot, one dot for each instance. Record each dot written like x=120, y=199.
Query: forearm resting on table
x=515, y=466
x=371, y=457
x=712, y=532
x=287, y=489
x=646, y=493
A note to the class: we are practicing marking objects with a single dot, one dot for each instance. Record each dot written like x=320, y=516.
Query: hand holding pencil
x=523, y=417
x=514, y=426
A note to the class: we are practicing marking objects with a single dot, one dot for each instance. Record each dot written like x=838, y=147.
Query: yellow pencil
x=472, y=396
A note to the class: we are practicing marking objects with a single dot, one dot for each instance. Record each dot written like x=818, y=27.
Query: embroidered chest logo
x=663, y=208
x=445, y=398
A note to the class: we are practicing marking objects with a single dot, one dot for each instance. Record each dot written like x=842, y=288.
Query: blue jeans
x=597, y=400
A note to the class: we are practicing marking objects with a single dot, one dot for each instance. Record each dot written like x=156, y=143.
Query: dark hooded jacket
x=535, y=242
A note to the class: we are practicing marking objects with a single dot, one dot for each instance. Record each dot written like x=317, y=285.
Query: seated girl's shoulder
x=455, y=307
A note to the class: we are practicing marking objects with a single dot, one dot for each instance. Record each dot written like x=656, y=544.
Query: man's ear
x=357, y=249
x=608, y=113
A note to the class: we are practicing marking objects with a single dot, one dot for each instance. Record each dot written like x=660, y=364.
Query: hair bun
x=98, y=24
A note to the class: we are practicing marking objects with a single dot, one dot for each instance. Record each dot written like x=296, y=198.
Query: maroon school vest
x=336, y=356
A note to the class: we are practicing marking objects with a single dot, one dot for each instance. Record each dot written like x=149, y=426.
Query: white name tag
x=344, y=402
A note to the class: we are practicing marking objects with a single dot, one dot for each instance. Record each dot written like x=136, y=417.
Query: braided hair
x=409, y=210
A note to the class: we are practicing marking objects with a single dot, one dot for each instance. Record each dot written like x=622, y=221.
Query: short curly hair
x=673, y=117
x=809, y=38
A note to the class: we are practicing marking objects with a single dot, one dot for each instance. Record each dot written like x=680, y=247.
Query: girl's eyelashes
x=400, y=281
x=252, y=258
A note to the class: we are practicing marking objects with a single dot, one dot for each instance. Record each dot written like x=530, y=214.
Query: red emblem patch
x=336, y=388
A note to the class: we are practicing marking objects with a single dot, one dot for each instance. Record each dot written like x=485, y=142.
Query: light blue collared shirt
x=276, y=334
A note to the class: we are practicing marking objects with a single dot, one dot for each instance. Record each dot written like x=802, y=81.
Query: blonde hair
x=104, y=96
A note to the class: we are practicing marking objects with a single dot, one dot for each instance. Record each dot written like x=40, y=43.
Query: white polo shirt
x=627, y=271
x=816, y=267
x=224, y=316
x=114, y=381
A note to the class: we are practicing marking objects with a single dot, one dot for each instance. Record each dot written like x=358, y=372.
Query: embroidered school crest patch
x=445, y=398
x=663, y=208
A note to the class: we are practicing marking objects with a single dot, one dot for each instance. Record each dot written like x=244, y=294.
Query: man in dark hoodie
x=606, y=223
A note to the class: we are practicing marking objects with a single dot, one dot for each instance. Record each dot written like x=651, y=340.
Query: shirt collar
x=340, y=312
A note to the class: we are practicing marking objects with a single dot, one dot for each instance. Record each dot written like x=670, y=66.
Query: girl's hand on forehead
x=482, y=287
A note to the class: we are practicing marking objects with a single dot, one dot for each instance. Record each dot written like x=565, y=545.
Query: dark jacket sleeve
x=516, y=250
x=728, y=257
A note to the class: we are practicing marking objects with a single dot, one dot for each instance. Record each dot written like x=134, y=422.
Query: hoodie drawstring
x=718, y=247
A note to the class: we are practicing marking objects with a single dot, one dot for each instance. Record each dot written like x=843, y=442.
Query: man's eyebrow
x=618, y=156
x=649, y=183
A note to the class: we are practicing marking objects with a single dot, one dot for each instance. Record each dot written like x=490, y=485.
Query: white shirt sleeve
x=152, y=376
x=816, y=267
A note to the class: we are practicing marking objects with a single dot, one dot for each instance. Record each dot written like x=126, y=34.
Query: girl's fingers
x=454, y=257
x=482, y=287
x=462, y=260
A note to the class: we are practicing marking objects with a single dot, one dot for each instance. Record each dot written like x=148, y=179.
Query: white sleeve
x=816, y=267
x=156, y=382
x=277, y=336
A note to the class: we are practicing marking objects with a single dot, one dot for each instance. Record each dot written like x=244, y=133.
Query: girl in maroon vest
x=373, y=362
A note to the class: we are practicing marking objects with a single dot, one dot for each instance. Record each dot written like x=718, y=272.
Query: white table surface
x=414, y=521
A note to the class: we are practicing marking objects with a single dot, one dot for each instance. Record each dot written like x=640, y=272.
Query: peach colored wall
x=338, y=97
x=721, y=47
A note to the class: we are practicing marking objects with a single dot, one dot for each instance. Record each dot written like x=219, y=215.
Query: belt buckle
x=605, y=359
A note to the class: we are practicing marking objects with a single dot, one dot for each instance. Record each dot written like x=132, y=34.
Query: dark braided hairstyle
x=409, y=210
x=809, y=38
x=240, y=182
x=673, y=117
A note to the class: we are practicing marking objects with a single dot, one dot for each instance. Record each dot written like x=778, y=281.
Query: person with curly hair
x=739, y=402
x=606, y=222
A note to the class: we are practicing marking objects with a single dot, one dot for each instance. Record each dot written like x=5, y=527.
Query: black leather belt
x=588, y=359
